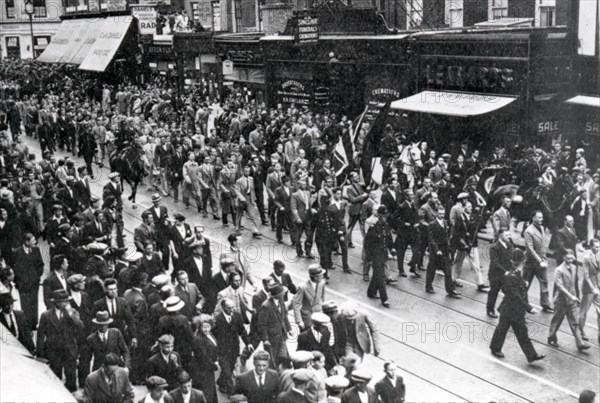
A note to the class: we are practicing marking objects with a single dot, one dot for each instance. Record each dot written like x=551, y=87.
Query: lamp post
x=29, y=11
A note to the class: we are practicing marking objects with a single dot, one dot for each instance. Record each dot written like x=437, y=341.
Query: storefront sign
x=116, y=5
x=216, y=15
x=227, y=67
x=159, y=50
x=146, y=16
x=307, y=31
x=244, y=56
x=468, y=77
x=592, y=128
x=512, y=128
x=381, y=87
x=547, y=127
x=293, y=92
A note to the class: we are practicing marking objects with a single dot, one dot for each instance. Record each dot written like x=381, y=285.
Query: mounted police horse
x=132, y=165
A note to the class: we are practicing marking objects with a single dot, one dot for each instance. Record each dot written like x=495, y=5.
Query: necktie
x=260, y=381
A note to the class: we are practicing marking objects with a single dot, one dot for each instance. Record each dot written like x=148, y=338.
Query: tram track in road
x=479, y=379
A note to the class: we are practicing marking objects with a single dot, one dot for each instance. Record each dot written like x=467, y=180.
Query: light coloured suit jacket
x=238, y=298
x=500, y=219
x=565, y=285
x=307, y=301
x=591, y=267
x=535, y=250
x=244, y=189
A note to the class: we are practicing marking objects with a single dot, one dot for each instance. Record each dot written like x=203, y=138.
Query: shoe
x=454, y=294
x=265, y=223
x=402, y=275
x=498, y=354
x=548, y=309
x=391, y=280
x=457, y=284
x=430, y=291
x=226, y=225
x=386, y=304
x=536, y=358
x=482, y=288
x=366, y=278
x=204, y=215
x=256, y=235
x=216, y=217
x=583, y=347
x=553, y=342
x=416, y=274
x=279, y=241
x=300, y=255
x=351, y=245
x=347, y=270
x=372, y=296
x=584, y=337
x=310, y=256
x=336, y=252
x=492, y=314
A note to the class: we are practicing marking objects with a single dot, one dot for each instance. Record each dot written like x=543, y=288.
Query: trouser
x=209, y=196
x=37, y=211
x=344, y=250
x=531, y=270
x=227, y=208
x=227, y=364
x=100, y=153
x=422, y=249
x=570, y=311
x=29, y=304
x=402, y=245
x=353, y=219
x=495, y=287
x=519, y=328
x=251, y=215
x=260, y=203
x=61, y=360
x=175, y=186
x=88, y=163
x=272, y=214
x=189, y=190
x=353, y=346
x=283, y=218
x=439, y=262
x=165, y=252
x=164, y=183
x=377, y=284
x=278, y=350
x=325, y=250
x=306, y=228
x=587, y=300
x=472, y=257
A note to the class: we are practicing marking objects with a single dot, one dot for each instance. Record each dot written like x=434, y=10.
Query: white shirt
x=62, y=280
x=10, y=318
x=181, y=230
x=198, y=261
x=103, y=336
x=186, y=397
x=112, y=306
x=363, y=396
x=260, y=379
x=317, y=335
x=76, y=297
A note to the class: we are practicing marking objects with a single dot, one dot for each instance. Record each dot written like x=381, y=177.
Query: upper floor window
x=454, y=13
x=39, y=8
x=10, y=9
x=499, y=9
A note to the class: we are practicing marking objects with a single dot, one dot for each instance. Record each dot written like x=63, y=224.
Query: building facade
x=15, y=30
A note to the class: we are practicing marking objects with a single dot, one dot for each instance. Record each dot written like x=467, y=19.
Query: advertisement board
x=146, y=17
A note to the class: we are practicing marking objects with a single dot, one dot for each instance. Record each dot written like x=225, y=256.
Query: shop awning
x=61, y=42
x=85, y=38
x=107, y=43
x=585, y=100
x=452, y=103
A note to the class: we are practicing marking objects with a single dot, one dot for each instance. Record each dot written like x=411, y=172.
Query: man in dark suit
x=316, y=338
x=281, y=277
x=176, y=168
x=406, y=223
x=500, y=255
x=261, y=384
x=166, y=363
x=338, y=210
x=302, y=217
x=160, y=218
x=297, y=394
x=202, y=277
x=355, y=195
x=390, y=389
x=15, y=322
x=361, y=378
x=56, y=280
x=185, y=389
x=29, y=267
x=229, y=328
x=178, y=325
x=145, y=233
x=377, y=243
x=100, y=343
x=439, y=257
x=80, y=301
x=273, y=323
x=109, y=384
x=512, y=311
x=283, y=201
x=96, y=230
x=181, y=236
x=189, y=294
x=57, y=339
x=566, y=238
x=68, y=198
x=118, y=310
x=259, y=174
x=336, y=329
x=82, y=190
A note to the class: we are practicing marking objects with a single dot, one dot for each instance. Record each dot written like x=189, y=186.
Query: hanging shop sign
x=294, y=92
x=116, y=5
x=462, y=77
x=146, y=17
x=307, y=31
x=227, y=67
x=592, y=128
x=216, y=16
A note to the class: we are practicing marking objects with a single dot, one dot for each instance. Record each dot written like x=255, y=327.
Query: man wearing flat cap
x=362, y=335
x=309, y=296
x=166, y=363
x=109, y=384
x=301, y=378
x=273, y=324
x=317, y=338
x=335, y=386
x=336, y=329
x=360, y=392
x=377, y=243
x=57, y=219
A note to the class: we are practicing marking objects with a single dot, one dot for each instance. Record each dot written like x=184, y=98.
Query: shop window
x=454, y=13
x=13, y=47
x=547, y=16
x=414, y=13
x=499, y=9
x=10, y=9
x=39, y=8
x=40, y=44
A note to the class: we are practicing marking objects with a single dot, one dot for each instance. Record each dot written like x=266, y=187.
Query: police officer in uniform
x=377, y=242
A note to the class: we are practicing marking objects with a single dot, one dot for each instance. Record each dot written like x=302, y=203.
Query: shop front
x=583, y=120
x=197, y=63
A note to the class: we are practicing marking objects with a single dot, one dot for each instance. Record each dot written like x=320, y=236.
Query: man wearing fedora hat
x=103, y=341
x=162, y=225
x=109, y=384
x=58, y=335
x=157, y=391
x=15, y=321
x=56, y=279
x=29, y=267
x=273, y=324
x=309, y=296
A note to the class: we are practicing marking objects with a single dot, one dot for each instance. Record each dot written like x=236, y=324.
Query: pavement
x=439, y=344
